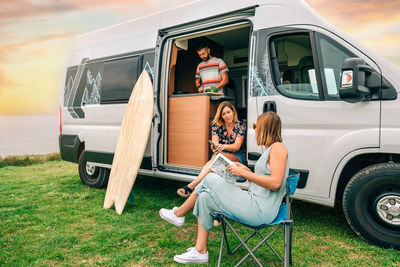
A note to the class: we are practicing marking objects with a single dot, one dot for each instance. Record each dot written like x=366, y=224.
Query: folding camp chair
x=282, y=219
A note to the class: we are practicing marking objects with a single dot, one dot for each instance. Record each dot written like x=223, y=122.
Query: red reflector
x=60, y=120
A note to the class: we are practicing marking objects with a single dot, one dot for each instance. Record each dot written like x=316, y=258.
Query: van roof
x=194, y=11
x=141, y=33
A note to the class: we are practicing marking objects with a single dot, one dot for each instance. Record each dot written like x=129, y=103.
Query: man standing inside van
x=211, y=73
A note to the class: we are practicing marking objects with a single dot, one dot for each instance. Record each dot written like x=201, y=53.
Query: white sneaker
x=191, y=256
x=169, y=216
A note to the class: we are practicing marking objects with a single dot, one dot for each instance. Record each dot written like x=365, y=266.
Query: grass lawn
x=47, y=217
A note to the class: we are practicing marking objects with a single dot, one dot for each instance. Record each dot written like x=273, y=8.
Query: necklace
x=229, y=130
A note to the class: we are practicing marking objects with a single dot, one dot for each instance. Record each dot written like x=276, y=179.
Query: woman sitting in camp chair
x=227, y=134
x=258, y=205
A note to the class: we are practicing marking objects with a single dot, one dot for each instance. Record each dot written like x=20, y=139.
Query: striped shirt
x=210, y=72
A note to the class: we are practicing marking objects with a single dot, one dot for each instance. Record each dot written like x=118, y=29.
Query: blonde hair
x=218, y=115
x=268, y=129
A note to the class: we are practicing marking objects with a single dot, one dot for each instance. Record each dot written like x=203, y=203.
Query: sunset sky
x=36, y=35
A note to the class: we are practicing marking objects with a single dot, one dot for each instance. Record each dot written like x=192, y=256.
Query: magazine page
x=219, y=166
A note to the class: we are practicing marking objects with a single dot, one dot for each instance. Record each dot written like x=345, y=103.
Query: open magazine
x=219, y=165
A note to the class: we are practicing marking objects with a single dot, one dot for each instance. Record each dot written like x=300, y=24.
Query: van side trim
x=107, y=158
x=303, y=178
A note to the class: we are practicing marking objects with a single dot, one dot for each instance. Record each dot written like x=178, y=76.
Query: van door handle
x=269, y=106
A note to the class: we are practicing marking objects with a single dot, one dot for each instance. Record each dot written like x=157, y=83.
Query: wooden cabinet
x=189, y=129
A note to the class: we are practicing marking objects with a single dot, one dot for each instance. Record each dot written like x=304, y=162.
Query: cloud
x=16, y=9
x=13, y=47
x=374, y=23
x=11, y=11
x=358, y=10
x=6, y=83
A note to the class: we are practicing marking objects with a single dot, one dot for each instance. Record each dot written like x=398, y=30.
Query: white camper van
x=338, y=101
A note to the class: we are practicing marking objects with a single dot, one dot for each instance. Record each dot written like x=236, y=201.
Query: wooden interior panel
x=188, y=130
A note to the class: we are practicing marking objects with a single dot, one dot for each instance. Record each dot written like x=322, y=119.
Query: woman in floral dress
x=227, y=133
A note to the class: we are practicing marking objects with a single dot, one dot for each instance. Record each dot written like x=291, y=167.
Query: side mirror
x=353, y=87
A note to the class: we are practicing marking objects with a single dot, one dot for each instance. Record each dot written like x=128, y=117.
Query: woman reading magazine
x=227, y=134
x=258, y=205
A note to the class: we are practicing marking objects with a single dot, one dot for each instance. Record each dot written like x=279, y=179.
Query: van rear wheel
x=371, y=204
x=91, y=175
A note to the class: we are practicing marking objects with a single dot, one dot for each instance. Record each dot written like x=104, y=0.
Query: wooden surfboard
x=132, y=141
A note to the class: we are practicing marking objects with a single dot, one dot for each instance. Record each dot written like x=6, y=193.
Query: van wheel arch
x=81, y=149
x=366, y=204
x=358, y=163
x=92, y=176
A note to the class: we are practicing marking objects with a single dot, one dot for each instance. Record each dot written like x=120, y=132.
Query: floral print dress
x=239, y=129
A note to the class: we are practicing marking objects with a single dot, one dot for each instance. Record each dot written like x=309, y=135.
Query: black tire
x=365, y=208
x=96, y=177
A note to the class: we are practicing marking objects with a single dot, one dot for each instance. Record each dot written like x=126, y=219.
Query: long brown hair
x=268, y=129
x=218, y=115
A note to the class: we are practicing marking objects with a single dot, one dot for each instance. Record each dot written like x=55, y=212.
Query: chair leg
x=247, y=239
x=220, y=249
x=244, y=244
x=287, y=245
x=290, y=244
x=224, y=234
x=265, y=241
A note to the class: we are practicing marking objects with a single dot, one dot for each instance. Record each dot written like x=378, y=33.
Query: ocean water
x=28, y=134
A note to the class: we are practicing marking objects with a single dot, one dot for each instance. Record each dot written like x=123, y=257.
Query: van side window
x=91, y=83
x=119, y=77
x=332, y=56
x=293, y=66
x=69, y=81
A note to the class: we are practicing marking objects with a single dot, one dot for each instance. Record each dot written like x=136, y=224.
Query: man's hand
x=200, y=89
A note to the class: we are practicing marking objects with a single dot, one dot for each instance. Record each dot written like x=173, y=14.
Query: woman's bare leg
x=186, y=206
x=232, y=157
x=205, y=170
x=202, y=174
x=202, y=238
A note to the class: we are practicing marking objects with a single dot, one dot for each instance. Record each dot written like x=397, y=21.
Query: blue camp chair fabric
x=282, y=219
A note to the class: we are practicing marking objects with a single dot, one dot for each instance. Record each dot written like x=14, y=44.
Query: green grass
x=27, y=160
x=47, y=217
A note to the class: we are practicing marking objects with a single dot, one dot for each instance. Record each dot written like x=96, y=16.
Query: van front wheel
x=90, y=175
x=371, y=204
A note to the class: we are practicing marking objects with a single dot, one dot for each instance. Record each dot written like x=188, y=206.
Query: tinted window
x=119, y=78
x=293, y=66
x=69, y=81
x=91, y=83
x=333, y=56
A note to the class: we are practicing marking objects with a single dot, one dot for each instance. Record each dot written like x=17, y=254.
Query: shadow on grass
x=313, y=219
x=303, y=212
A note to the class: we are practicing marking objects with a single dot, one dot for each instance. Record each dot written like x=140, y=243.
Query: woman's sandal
x=187, y=192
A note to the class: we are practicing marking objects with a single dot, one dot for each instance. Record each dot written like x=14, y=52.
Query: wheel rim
x=90, y=169
x=388, y=209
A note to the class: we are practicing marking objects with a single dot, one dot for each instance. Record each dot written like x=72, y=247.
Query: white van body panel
x=102, y=122
x=390, y=126
x=330, y=201
x=318, y=136
x=329, y=140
